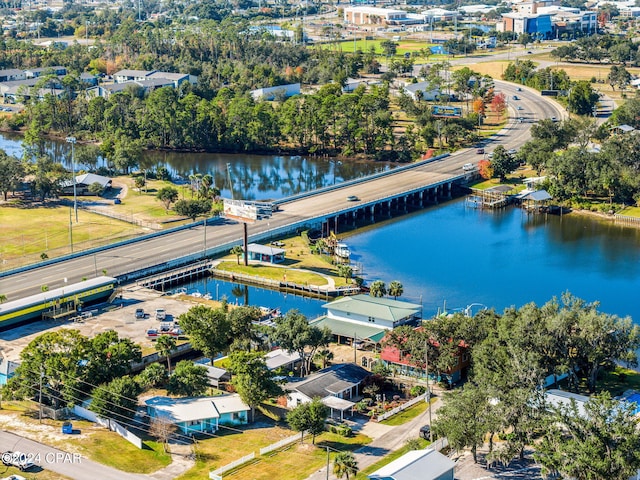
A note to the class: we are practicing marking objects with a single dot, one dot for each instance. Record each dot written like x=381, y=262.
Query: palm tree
x=325, y=356
x=237, y=251
x=345, y=463
x=396, y=289
x=3, y=298
x=378, y=289
x=165, y=345
x=345, y=271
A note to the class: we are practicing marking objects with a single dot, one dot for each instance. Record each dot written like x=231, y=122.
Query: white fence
x=402, y=407
x=280, y=444
x=110, y=424
x=217, y=474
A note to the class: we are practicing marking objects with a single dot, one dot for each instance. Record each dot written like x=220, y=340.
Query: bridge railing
x=356, y=181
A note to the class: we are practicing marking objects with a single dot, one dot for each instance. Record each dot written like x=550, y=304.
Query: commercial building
x=373, y=16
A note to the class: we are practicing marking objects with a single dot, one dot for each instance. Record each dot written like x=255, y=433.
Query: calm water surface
x=449, y=253
x=460, y=255
x=254, y=177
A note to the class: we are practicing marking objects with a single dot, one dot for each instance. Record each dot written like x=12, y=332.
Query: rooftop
x=332, y=380
x=368, y=306
x=415, y=465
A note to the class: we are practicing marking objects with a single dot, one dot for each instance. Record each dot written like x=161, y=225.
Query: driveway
x=64, y=463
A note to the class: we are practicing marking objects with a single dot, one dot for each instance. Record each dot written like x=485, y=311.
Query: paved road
x=168, y=247
x=71, y=465
x=385, y=444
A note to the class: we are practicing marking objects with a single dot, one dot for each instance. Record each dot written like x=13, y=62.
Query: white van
x=468, y=167
x=161, y=314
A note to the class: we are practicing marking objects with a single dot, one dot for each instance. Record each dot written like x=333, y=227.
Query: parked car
x=20, y=460
x=161, y=314
x=425, y=432
x=139, y=312
x=512, y=151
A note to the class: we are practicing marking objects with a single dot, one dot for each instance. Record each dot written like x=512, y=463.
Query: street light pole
x=72, y=141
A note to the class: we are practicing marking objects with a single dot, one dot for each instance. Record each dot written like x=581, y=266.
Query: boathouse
x=265, y=253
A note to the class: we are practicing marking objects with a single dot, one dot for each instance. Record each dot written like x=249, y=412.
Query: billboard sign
x=446, y=111
x=240, y=210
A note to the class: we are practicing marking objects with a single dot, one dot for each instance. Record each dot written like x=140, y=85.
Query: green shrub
x=417, y=390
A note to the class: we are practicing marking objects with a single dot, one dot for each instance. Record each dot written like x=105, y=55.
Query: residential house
x=557, y=398
x=336, y=386
x=422, y=91
x=402, y=363
x=84, y=181
x=426, y=464
x=38, y=72
x=217, y=376
x=201, y=414
x=279, y=358
x=12, y=74
x=126, y=75
x=366, y=318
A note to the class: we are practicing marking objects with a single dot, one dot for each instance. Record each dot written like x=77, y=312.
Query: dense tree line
x=600, y=48
x=561, y=150
x=511, y=356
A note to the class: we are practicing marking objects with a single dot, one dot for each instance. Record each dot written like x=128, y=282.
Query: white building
x=373, y=16
x=417, y=464
x=271, y=93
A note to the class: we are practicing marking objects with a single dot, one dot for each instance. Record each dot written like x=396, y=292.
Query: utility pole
x=72, y=141
x=426, y=367
x=40, y=394
x=327, y=463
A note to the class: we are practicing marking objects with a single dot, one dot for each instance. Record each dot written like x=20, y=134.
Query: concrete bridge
x=397, y=191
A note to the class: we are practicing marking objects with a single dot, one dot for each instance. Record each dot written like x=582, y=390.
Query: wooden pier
x=177, y=276
x=496, y=197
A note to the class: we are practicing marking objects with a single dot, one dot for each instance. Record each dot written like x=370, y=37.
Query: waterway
x=254, y=177
x=452, y=256
x=448, y=254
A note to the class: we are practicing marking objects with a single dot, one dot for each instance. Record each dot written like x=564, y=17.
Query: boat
x=342, y=250
x=196, y=294
x=207, y=296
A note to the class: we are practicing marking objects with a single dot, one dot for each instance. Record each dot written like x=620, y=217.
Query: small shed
x=622, y=129
x=217, y=375
x=265, y=253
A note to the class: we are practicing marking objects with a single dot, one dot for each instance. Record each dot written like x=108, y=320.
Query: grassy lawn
x=386, y=460
x=494, y=69
x=230, y=445
x=274, y=273
x=26, y=236
x=144, y=204
x=406, y=415
x=298, y=460
x=494, y=182
x=298, y=256
x=95, y=442
x=111, y=449
x=619, y=381
x=631, y=211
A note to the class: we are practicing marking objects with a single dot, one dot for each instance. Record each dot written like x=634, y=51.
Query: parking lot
x=119, y=316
